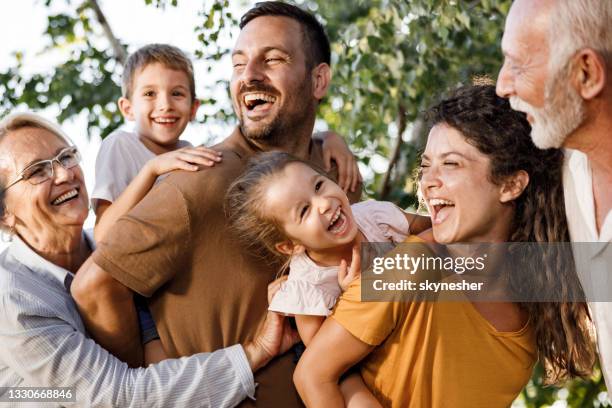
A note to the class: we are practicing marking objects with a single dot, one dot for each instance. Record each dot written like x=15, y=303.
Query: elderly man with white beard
x=558, y=70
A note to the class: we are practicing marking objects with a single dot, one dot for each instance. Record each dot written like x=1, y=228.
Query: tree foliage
x=391, y=60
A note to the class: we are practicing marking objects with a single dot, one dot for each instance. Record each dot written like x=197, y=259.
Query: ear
x=321, y=78
x=289, y=248
x=589, y=73
x=194, y=108
x=513, y=186
x=125, y=106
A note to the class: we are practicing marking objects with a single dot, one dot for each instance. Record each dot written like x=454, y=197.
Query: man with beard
x=558, y=70
x=206, y=292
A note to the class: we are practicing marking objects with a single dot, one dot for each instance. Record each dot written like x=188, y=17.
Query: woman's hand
x=186, y=158
x=336, y=149
x=275, y=336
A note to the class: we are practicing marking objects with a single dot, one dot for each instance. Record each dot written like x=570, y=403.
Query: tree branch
x=118, y=49
x=401, y=127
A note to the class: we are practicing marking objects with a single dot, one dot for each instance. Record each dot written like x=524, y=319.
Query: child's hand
x=275, y=286
x=335, y=148
x=186, y=158
x=346, y=274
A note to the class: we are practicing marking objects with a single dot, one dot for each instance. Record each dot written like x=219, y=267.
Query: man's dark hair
x=315, y=39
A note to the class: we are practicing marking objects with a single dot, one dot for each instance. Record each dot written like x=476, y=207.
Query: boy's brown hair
x=169, y=56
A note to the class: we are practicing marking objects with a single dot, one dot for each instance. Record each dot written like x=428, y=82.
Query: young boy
x=158, y=89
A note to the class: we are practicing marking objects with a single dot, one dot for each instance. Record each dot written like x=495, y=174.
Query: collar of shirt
x=37, y=264
x=578, y=186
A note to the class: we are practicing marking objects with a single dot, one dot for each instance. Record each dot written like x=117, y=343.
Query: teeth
x=64, y=197
x=335, y=216
x=438, y=201
x=340, y=226
x=250, y=98
x=165, y=120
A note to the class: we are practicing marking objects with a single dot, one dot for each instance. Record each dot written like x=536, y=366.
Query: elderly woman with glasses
x=43, y=343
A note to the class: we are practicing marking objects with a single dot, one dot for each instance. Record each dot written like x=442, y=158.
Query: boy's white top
x=591, y=259
x=121, y=157
x=312, y=289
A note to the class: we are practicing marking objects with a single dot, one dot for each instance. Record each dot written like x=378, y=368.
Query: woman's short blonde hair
x=21, y=120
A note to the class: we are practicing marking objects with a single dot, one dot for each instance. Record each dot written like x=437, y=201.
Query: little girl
x=284, y=207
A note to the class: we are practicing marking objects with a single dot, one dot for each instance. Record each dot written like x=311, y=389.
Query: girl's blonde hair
x=245, y=208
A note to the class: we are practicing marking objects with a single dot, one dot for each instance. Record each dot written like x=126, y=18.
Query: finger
x=196, y=159
x=344, y=174
x=342, y=271
x=327, y=159
x=350, y=172
x=356, y=176
x=182, y=165
x=206, y=153
x=355, y=262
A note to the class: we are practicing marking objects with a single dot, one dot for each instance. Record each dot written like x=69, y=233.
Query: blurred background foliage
x=391, y=60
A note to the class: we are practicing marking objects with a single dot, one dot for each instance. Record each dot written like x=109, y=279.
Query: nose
x=61, y=174
x=323, y=204
x=252, y=72
x=430, y=178
x=505, y=82
x=163, y=101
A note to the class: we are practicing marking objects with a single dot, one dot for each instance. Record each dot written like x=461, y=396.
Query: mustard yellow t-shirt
x=436, y=354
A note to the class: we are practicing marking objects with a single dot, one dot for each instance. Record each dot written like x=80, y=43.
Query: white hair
x=578, y=24
x=21, y=120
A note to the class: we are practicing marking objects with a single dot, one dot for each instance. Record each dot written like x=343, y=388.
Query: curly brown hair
x=563, y=336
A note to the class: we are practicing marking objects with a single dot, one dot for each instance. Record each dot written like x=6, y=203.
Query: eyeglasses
x=42, y=171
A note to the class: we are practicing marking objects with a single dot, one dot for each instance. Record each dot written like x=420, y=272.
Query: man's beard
x=562, y=114
x=284, y=126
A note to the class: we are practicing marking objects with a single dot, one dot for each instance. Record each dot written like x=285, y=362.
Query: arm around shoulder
x=107, y=309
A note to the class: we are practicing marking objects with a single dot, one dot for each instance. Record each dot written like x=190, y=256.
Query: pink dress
x=312, y=289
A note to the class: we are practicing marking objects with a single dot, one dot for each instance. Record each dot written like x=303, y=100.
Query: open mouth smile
x=338, y=223
x=67, y=196
x=440, y=209
x=258, y=101
x=165, y=120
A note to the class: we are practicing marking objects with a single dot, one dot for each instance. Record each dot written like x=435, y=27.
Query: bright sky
x=23, y=22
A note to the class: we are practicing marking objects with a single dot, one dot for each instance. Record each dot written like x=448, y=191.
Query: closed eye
x=303, y=212
x=450, y=163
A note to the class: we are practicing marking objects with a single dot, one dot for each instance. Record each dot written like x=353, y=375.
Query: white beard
x=562, y=113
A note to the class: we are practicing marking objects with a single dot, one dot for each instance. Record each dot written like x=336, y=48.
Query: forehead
x=268, y=32
x=444, y=139
x=283, y=190
x=22, y=146
x=526, y=29
x=158, y=73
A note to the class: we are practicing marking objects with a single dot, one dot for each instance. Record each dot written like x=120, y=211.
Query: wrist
x=256, y=356
x=150, y=170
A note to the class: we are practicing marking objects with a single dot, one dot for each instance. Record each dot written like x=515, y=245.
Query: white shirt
x=593, y=254
x=121, y=157
x=43, y=343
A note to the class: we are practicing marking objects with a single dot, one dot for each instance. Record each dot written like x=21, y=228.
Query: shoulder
x=381, y=220
x=376, y=209
x=209, y=181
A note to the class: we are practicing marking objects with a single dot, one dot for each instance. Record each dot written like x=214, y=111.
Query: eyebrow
x=39, y=160
x=445, y=155
x=264, y=50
